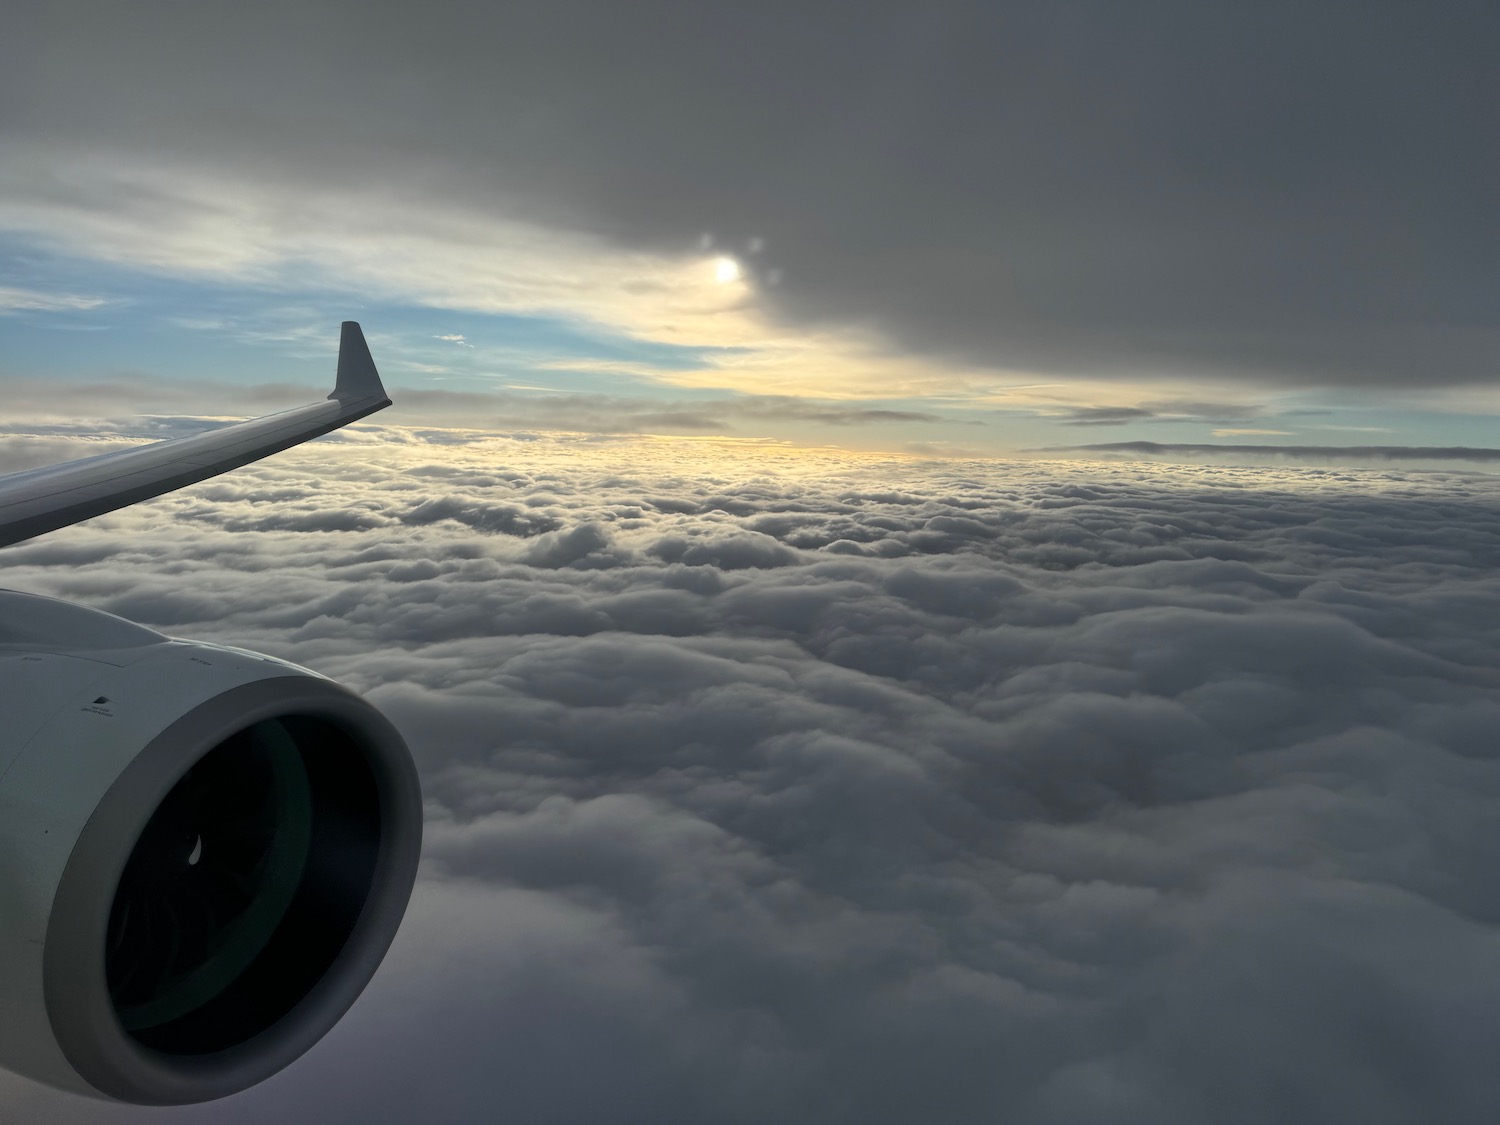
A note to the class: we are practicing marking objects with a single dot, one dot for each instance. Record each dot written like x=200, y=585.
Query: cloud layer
x=766, y=786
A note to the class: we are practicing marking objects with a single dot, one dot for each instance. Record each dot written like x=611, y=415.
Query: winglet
x=35, y=501
x=357, y=377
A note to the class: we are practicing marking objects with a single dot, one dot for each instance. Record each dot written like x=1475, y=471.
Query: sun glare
x=726, y=270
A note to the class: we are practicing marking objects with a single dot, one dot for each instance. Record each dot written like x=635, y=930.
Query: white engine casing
x=99, y=720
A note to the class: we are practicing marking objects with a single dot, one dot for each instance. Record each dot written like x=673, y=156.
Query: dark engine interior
x=243, y=887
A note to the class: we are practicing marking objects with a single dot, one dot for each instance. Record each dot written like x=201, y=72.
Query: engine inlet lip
x=75, y=986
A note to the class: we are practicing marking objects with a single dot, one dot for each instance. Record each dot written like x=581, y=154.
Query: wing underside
x=41, y=500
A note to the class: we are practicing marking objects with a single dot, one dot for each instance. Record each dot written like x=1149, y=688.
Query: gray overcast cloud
x=1298, y=193
x=763, y=788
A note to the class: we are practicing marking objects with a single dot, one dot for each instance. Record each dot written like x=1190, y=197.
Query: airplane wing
x=40, y=500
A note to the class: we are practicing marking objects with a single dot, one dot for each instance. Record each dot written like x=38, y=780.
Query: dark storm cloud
x=1174, y=411
x=1300, y=193
x=1294, y=452
x=135, y=396
x=770, y=787
x=610, y=414
x=1104, y=415
x=584, y=413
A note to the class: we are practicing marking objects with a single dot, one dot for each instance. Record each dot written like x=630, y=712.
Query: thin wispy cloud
x=1331, y=453
x=29, y=300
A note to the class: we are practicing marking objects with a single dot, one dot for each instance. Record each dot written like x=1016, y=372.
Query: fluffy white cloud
x=769, y=786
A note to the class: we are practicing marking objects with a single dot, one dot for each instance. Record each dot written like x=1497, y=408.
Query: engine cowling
x=204, y=855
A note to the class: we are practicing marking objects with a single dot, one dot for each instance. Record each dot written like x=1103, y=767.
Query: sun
x=726, y=270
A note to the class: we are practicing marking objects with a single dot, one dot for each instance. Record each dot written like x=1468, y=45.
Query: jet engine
x=204, y=855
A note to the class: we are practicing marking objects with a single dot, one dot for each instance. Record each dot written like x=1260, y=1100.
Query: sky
x=937, y=562
x=952, y=230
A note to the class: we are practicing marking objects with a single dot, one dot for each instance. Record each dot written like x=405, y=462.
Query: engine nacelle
x=204, y=855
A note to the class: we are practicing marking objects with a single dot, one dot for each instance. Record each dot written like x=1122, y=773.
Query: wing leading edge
x=40, y=500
